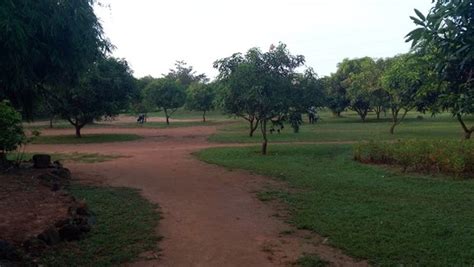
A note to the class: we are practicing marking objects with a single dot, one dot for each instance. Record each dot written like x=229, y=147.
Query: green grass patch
x=183, y=113
x=349, y=128
x=311, y=260
x=85, y=139
x=433, y=156
x=67, y=157
x=125, y=227
x=387, y=217
x=173, y=124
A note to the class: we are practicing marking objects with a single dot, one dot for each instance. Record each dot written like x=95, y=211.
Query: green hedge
x=448, y=157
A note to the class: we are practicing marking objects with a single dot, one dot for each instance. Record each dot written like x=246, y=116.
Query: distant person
x=141, y=118
x=312, y=115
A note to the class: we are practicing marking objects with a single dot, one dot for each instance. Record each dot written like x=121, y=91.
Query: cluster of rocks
x=72, y=227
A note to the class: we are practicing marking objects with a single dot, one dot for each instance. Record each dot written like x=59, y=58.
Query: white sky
x=153, y=34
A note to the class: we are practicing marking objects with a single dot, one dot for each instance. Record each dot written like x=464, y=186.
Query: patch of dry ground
x=27, y=207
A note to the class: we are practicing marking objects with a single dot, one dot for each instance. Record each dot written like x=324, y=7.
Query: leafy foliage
x=11, y=131
x=104, y=90
x=450, y=157
x=185, y=75
x=402, y=81
x=447, y=31
x=200, y=97
x=165, y=94
x=46, y=43
x=262, y=82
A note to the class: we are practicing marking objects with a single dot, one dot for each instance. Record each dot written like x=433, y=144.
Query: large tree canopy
x=104, y=90
x=165, y=94
x=185, y=74
x=404, y=80
x=46, y=43
x=11, y=130
x=200, y=97
x=262, y=82
x=447, y=31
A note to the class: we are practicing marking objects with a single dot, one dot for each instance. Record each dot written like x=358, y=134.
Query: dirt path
x=211, y=215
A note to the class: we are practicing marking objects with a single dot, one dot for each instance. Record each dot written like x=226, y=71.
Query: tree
x=308, y=93
x=200, y=97
x=267, y=81
x=379, y=98
x=185, y=75
x=138, y=104
x=336, y=96
x=46, y=43
x=448, y=32
x=236, y=94
x=104, y=90
x=166, y=94
x=359, y=77
x=402, y=81
x=11, y=131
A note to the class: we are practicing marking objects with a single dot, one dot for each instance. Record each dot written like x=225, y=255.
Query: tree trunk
x=253, y=126
x=3, y=160
x=167, y=117
x=362, y=114
x=394, y=119
x=263, y=127
x=392, y=128
x=397, y=121
x=204, y=116
x=51, y=122
x=78, y=130
x=377, y=112
x=467, y=131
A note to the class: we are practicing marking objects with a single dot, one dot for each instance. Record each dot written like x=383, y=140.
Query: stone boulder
x=41, y=161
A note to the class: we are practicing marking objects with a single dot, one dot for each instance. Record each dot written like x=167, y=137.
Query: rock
x=48, y=179
x=42, y=161
x=8, y=252
x=62, y=222
x=55, y=187
x=82, y=209
x=70, y=232
x=62, y=173
x=57, y=164
x=34, y=246
x=50, y=236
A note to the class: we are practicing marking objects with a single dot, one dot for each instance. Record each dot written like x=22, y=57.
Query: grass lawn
x=349, y=128
x=125, y=228
x=67, y=157
x=370, y=212
x=86, y=139
x=173, y=124
x=188, y=114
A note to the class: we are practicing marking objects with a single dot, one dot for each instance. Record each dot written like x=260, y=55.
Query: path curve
x=211, y=216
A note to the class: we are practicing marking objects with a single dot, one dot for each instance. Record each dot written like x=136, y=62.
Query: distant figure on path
x=141, y=118
x=312, y=115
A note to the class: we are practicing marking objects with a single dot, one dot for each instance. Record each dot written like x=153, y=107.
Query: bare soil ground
x=27, y=208
x=211, y=215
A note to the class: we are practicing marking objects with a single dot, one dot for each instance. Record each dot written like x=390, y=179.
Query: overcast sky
x=153, y=34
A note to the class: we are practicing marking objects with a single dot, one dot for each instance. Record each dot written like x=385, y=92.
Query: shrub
x=449, y=157
x=11, y=130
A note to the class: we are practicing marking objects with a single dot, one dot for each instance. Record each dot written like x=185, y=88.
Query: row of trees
x=181, y=87
x=395, y=85
x=53, y=54
x=436, y=76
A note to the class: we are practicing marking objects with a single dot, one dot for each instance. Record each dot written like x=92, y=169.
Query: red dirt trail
x=211, y=216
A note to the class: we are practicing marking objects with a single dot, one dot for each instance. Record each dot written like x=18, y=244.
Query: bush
x=449, y=157
x=11, y=130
